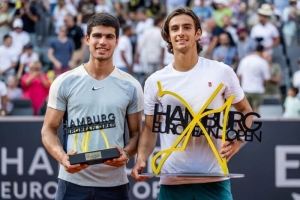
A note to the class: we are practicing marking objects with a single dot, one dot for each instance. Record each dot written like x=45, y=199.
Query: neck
x=185, y=61
x=99, y=69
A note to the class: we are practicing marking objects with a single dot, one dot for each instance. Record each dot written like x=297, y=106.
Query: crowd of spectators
x=40, y=39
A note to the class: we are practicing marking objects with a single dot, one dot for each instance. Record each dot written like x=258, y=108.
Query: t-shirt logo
x=209, y=84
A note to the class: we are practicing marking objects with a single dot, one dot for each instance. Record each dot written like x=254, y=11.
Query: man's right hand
x=72, y=168
x=137, y=169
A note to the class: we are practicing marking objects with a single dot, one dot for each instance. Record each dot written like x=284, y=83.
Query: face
x=183, y=35
x=11, y=82
x=8, y=42
x=102, y=42
x=35, y=68
x=63, y=31
x=263, y=19
x=291, y=92
x=4, y=6
x=224, y=40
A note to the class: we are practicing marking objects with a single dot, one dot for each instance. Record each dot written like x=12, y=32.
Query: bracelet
x=126, y=155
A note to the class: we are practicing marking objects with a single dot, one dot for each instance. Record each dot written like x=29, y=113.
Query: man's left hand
x=118, y=162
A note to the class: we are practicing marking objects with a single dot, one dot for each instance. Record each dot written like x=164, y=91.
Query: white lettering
x=45, y=165
x=282, y=164
x=5, y=190
x=12, y=161
x=47, y=188
x=138, y=194
x=155, y=189
x=35, y=188
x=24, y=190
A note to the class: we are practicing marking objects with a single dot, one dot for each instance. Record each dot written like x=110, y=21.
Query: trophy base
x=194, y=175
x=94, y=157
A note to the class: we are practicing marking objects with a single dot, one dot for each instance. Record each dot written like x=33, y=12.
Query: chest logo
x=97, y=88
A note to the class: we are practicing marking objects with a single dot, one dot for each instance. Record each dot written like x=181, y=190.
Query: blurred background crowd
x=259, y=39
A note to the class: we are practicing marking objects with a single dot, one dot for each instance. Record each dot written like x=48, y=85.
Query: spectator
x=86, y=9
x=226, y=52
x=8, y=58
x=43, y=24
x=245, y=44
x=102, y=7
x=61, y=52
x=292, y=104
x=123, y=58
x=253, y=72
x=6, y=18
x=28, y=57
x=289, y=28
x=221, y=11
x=272, y=87
x=229, y=28
x=13, y=92
x=202, y=11
x=35, y=86
x=3, y=99
x=215, y=32
x=60, y=11
x=150, y=47
x=265, y=31
x=20, y=37
x=173, y=4
x=144, y=23
x=76, y=34
x=239, y=9
x=29, y=16
x=296, y=77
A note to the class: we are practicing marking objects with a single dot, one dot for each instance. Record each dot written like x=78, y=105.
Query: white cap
x=18, y=23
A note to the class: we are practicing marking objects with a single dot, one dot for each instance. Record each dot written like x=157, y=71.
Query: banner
x=271, y=167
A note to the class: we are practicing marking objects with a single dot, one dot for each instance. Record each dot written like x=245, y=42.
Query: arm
x=52, y=143
x=3, y=105
x=229, y=148
x=128, y=66
x=52, y=58
x=146, y=146
x=130, y=149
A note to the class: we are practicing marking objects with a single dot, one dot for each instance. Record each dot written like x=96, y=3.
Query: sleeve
x=266, y=71
x=150, y=96
x=232, y=85
x=275, y=32
x=57, y=95
x=137, y=99
x=240, y=68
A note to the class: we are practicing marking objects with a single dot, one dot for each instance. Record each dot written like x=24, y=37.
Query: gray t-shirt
x=93, y=106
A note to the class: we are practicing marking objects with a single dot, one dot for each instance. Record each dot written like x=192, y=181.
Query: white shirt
x=150, y=45
x=3, y=91
x=19, y=41
x=27, y=60
x=268, y=32
x=195, y=87
x=168, y=57
x=7, y=57
x=254, y=70
x=123, y=45
x=292, y=107
x=296, y=79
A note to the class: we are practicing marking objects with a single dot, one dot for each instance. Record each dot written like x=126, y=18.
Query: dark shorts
x=202, y=191
x=70, y=191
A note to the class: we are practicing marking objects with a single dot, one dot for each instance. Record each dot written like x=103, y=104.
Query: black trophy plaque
x=94, y=157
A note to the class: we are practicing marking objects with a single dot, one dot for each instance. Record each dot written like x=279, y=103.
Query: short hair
x=294, y=89
x=126, y=28
x=259, y=48
x=165, y=29
x=103, y=19
x=6, y=36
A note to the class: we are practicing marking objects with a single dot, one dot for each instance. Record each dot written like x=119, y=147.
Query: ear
x=87, y=39
x=198, y=34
